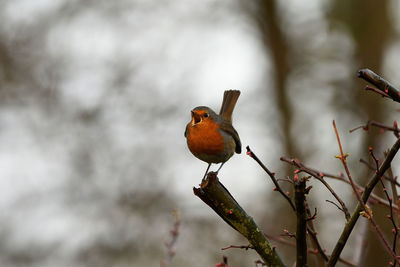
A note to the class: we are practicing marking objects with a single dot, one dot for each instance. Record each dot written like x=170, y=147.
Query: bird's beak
x=196, y=117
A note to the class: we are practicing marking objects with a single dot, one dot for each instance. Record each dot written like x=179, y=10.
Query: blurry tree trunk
x=370, y=30
x=265, y=15
x=275, y=43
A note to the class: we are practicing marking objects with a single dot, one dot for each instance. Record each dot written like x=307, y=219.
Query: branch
x=301, y=241
x=380, y=83
x=367, y=192
x=215, y=195
x=271, y=175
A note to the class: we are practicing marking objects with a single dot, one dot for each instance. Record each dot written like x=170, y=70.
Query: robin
x=211, y=137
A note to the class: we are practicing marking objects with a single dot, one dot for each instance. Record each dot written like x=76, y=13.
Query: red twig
x=373, y=89
x=170, y=245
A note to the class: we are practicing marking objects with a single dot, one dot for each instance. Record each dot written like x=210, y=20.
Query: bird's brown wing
x=227, y=127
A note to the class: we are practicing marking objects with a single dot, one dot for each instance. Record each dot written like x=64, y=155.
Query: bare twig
x=271, y=175
x=247, y=247
x=337, y=206
x=394, y=128
x=342, y=158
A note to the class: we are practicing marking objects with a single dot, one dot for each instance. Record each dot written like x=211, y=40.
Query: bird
x=210, y=136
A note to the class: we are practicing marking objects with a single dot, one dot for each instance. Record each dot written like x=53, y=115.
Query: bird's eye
x=205, y=115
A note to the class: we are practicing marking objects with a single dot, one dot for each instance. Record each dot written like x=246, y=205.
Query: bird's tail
x=228, y=104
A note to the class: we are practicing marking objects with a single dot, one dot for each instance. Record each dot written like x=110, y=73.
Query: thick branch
x=380, y=83
x=215, y=195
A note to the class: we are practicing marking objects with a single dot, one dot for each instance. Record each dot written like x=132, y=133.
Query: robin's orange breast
x=206, y=142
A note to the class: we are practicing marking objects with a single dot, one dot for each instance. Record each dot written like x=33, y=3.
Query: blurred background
x=95, y=96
